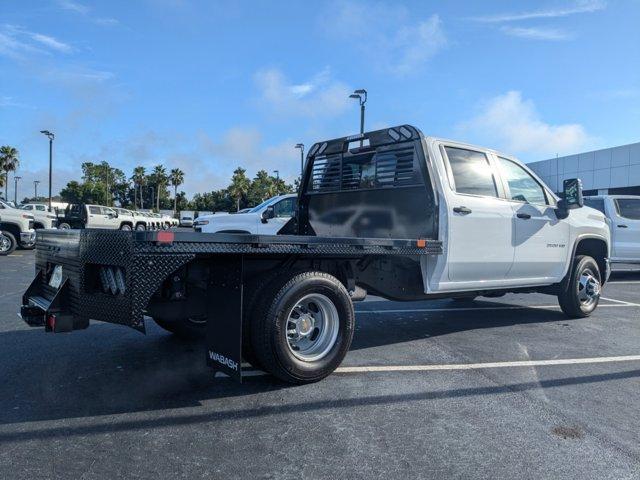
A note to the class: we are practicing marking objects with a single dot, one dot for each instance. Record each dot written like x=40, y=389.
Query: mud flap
x=224, y=318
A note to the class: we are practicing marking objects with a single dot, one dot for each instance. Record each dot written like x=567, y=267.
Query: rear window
x=597, y=203
x=628, y=208
x=472, y=172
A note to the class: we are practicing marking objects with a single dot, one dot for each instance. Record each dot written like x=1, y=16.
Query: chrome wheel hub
x=588, y=288
x=312, y=327
x=5, y=243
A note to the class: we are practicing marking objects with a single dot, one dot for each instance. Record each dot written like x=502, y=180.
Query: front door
x=541, y=240
x=480, y=250
x=626, y=228
x=283, y=211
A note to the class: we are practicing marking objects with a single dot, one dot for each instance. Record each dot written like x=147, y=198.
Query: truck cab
x=623, y=214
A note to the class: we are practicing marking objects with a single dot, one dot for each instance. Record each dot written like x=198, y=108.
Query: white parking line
x=508, y=307
x=478, y=366
x=621, y=301
x=625, y=282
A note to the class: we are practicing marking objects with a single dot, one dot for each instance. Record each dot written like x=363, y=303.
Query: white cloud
x=85, y=11
x=536, y=33
x=514, y=125
x=387, y=34
x=580, y=6
x=51, y=42
x=17, y=42
x=320, y=96
x=74, y=6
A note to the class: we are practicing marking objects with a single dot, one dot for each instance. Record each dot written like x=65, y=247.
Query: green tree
x=239, y=186
x=9, y=162
x=138, y=178
x=176, y=178
x=159, y=178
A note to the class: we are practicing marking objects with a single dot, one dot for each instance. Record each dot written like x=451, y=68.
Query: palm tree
x=176, y=177
x=9, y=163
x=159, y=175
x=138, y=177
x=239, y=186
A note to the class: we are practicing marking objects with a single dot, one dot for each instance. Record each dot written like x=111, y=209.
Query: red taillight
x=164, y=237
x=421, y=243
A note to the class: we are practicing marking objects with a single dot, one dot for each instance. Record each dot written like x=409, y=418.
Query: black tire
x=8, y=243
x=125, y=227
x=571, y=288
x=189, y=329
x=269, y=323
x=140, y=227
x=64, y=226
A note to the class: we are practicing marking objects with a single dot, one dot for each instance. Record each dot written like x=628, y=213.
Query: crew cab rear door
x=480, y=247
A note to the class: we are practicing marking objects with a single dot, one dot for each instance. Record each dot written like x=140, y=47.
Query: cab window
x=628, y=208
x=472, y=173
x=94, y=210
x=285, y=208
x=40, y=208
x=523, y=187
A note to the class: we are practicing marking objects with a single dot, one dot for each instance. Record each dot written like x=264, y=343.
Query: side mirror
x=572, y=197
x=268, y=213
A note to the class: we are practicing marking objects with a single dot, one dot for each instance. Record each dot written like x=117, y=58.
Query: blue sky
x=207, y=86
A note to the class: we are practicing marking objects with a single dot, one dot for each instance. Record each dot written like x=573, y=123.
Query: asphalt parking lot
x=500, y=388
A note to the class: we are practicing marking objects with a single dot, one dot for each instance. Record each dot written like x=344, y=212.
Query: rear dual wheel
x=302, y=328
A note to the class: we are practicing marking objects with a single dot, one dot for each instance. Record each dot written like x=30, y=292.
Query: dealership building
x=613, y=171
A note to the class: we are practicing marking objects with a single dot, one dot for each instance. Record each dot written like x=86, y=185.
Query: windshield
x=629, y=208
x=263, y=204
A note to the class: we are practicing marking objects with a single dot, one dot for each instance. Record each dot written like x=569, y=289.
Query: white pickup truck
x=16, y=229
x=266, y=218
x=390, y=212
x=623, y=213
x=43, y=218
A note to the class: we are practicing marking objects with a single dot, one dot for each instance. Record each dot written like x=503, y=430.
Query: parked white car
x=265, y=219
x=42, y=217
x=623, y=214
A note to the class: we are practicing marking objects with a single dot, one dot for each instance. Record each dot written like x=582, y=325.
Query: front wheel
x=64, y=226
x=302, y=328
x=580, y=296
x=140, y=227
x=7, y=243
x=125, y=227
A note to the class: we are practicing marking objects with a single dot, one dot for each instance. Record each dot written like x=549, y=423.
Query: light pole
x=15, y=189
x=51, y=136
x=301, y=147
x=361, y=95
x=277, y=172
x=35, y=189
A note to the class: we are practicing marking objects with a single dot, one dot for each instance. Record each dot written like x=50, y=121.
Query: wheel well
x=11, y=228
x=595, y=248
x=126, y=223
x=38, y=225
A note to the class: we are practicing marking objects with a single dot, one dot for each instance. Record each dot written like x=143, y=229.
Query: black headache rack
x=111, y=276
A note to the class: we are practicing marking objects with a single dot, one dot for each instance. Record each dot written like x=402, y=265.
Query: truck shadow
x=109, y=369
